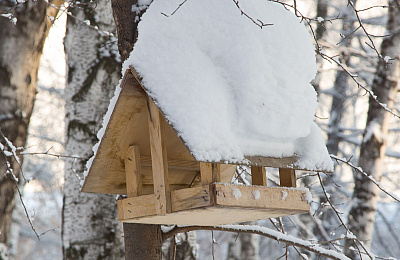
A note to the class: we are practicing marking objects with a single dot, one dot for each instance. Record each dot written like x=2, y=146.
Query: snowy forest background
x=72, y=96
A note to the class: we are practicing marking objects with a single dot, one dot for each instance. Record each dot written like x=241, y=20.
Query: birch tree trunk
x=21, y=46
x=90, y=229
x=373, y=148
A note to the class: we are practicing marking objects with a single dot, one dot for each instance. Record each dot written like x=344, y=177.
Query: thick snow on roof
x=229, y=88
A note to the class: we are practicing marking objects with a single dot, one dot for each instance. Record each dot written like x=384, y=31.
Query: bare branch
x=257, y=22
x=360, y=170
x=349, y=234
x=26, y=212
x=263, y=231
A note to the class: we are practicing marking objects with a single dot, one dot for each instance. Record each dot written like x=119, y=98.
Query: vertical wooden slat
x=206, y=173
x=287, y=177
x=258, y=176
x=210, y=173
x=133, y=171
x=159, y=160
x=216, y=172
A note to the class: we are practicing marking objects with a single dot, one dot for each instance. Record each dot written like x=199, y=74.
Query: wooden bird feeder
x=142, y=156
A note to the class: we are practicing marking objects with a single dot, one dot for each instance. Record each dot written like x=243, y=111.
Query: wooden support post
x=206, y=173
x=210, y=173
x=159, y=160
x=287, y=177
x=132, y=171
x=216, y=172
x=258, y=176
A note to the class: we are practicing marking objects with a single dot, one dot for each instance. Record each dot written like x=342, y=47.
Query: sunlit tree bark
x=21, y=46
x=373, y=148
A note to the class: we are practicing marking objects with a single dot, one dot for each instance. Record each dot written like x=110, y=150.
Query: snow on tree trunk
x=90, y=229
x=21, y=46
x=385, y=86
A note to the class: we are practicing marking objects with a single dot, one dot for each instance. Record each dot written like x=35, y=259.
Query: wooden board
x=213, y=216
x=217, y=204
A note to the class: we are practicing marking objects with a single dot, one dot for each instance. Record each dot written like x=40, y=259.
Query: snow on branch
x=360, y=170
x=266, y=232
x=359, y=84
x=8, y=150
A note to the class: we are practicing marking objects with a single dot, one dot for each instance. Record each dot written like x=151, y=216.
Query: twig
x=26, y=212
x=360, y=170
x=257, y=22
x=348, y=232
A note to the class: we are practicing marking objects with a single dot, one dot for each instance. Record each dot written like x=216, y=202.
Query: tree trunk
x=373, y=148
x=21, y=46
x=90, y=229
x=142, y=242
x=340, y=87
x=322, y=11
x=244, y=246
x=135, y=248
x=135, y=234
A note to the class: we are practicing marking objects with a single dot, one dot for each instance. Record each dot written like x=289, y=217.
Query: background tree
x=90, y=228
x=23, y=30
x=373, y=148
x=87, y=92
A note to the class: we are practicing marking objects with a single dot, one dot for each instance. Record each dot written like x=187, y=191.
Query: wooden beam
x=159, y=159
x=197, y=197
x=258, y=176
x=133, y=172
x=136, y=207
x=287, y=177
x=242, y=196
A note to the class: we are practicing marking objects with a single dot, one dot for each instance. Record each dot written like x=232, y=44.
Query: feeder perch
x=142, y=156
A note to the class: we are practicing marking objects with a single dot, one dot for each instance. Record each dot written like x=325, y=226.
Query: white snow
x=373, y=129
x=229, y=88
x=308, y=196
x=256, y=194
x=284, y=195
x=236, y=193
x=387, y=59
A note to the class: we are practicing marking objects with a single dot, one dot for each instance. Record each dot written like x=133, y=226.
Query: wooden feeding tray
x=141, y=156
x=215, y=204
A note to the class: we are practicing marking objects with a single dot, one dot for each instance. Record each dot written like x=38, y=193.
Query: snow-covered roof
x=229, y=88
x=230, y=91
